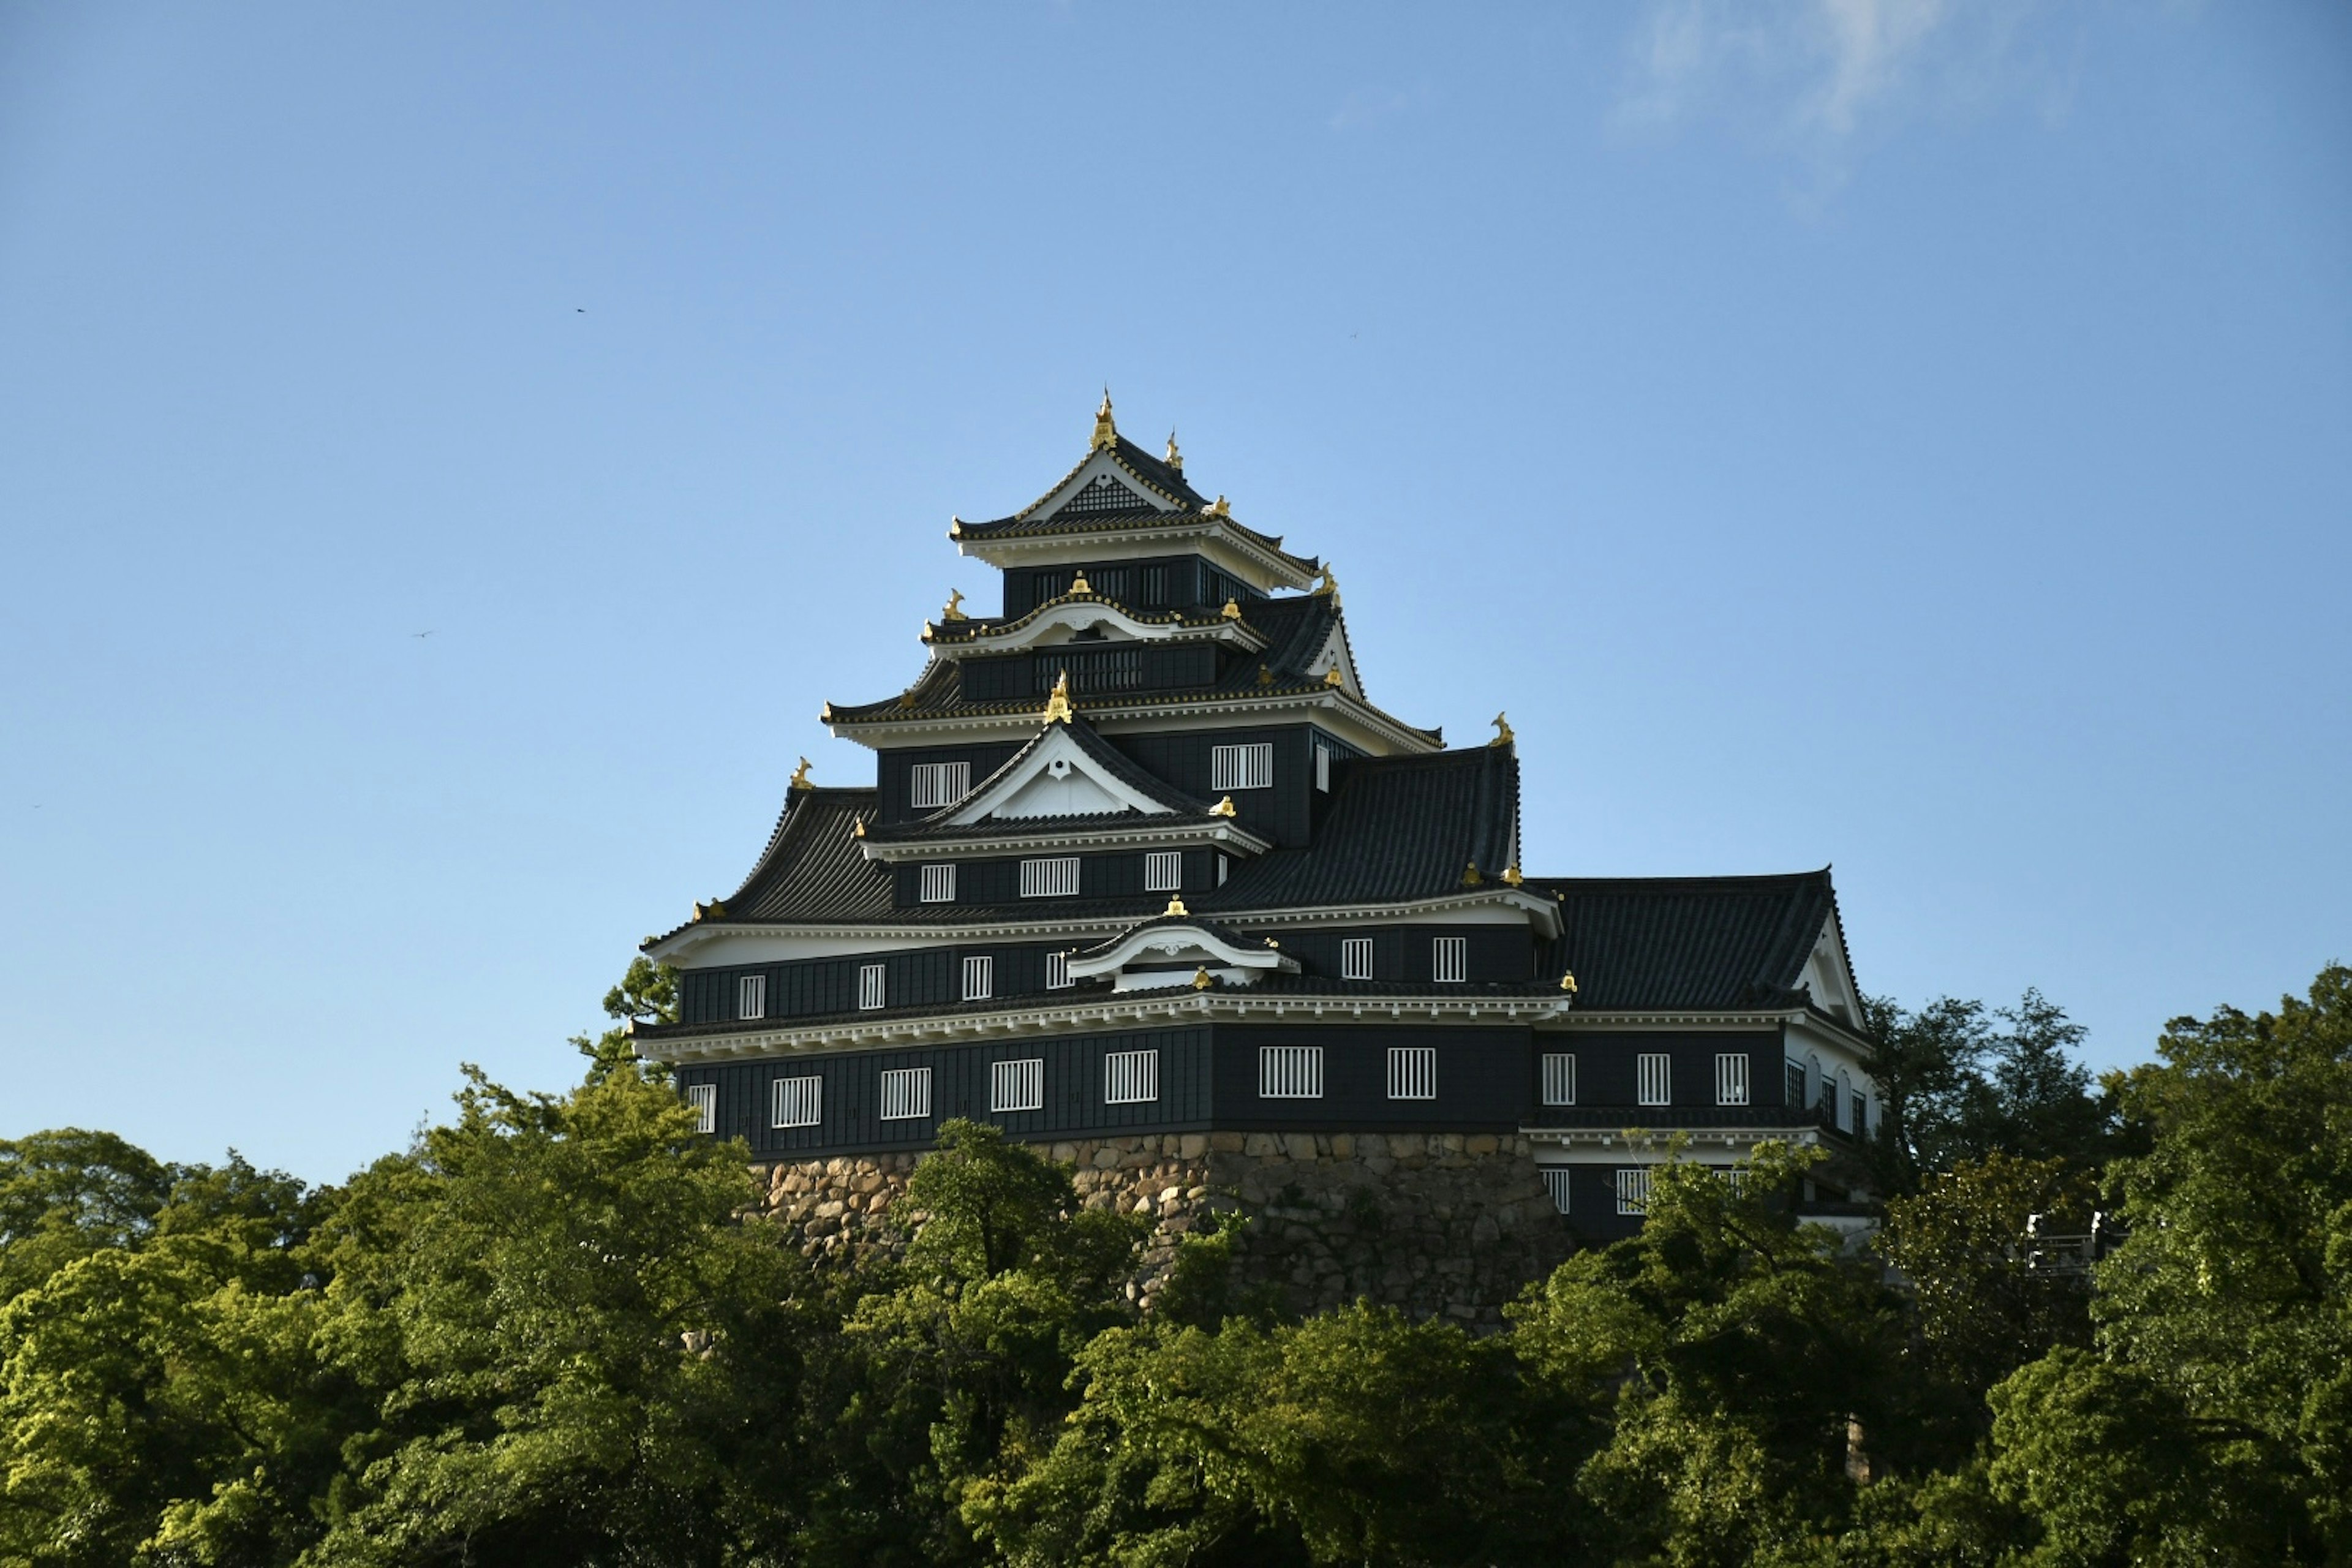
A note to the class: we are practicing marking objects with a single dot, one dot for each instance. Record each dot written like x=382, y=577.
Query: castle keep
x=1145, y=875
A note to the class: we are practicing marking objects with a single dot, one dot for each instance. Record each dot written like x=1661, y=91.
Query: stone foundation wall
x=1446, y=1224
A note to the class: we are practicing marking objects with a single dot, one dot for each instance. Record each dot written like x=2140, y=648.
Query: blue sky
x=1902, y=436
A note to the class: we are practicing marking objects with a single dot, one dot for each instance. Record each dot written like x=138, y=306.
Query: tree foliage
x=557, y=1331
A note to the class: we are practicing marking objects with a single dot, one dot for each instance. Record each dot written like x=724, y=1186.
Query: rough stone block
x=1479, y=1144
x=1261, y=1144
x=1192, y=1145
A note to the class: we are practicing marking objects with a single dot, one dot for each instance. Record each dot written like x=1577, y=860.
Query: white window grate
x=1413, y=1072
x=1556, y=1182
x=1558, y=1077
x=1223, y=865
x=1130, y=1077
x=751, y=996
x=1633, y=1190
x=937, y=784
x=1653, y=1080
x=1731, y=1078
x=873, y=986
x=979, y=979
x=906, y=1093
x=1792, y=1083
x=1163, y=871
x=1241, y=767
x=1323, y=768
x=1290, y=1072
x=703, y=1099
x=1057, y=972
x=939, y=884
x=1449, y=959
x=1053, y=878
x=1355, y=958
x=799, y=1102
x=1017, y=1086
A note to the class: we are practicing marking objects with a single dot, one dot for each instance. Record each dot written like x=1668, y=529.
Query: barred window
x=1290, y=1072
x=1057, y=972
x=1861, y=1114
x=1105, y=496
x=873, y=986
x=1413, y=1072
x=1558, y=1077
x=1792, y=1083
x=1241, y=767
x=1556, y=1182
x=906, y=1093
x=798, y=1102
x=937, y=784
x=1111, y=582
x=1654, y=1076
x=979, y=979
x=1323, y=767
x=1355, y=958
x=1053, y=878
x=1130, y=1077
x=1633, y=1190
x=1155, y=587
x=1449, y=959
x=1163, y=871
x=751, y=996
x=703, y=1098
x=1017, y=1085
x=1731, y=1078
x=939, y=884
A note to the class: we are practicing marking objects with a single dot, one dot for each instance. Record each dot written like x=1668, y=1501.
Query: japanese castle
x=1141, y=855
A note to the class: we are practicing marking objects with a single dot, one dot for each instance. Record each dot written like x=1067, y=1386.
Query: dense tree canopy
x=555, y=1331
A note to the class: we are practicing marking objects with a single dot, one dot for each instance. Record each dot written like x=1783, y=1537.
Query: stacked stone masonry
x=1440, y=1224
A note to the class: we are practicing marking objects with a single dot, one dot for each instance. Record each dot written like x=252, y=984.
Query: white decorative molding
x=1118, y=1010
x=1177, y=950
x=1135, y=835
x=1345, y=715
x=1055, y=623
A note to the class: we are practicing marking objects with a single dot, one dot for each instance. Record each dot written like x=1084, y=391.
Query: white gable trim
x=1056, y=779
x=1829, y=978
x=1057, y=622
x=1335, y=654
x=1172, y=533
x=1164, y=946
x=1125, y=833
x=1100, y=463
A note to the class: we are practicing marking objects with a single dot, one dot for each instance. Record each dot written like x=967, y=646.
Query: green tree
x=1744, y=1363
x=1958, y=1080
x=67, y=1194
x=1982, y=1306
x=578, y=1347
x=648, y=994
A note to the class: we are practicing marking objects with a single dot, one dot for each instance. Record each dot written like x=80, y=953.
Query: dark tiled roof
x=1705, y=942
x=1295, y=628
x=1397, y=828
x=1189, y=507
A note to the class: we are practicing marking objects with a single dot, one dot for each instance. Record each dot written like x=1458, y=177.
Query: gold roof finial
x=1224, y=808
x=1332, y=677
x=1079, y=584
x=1221, y=508
x=800, y=775
x=1473, y=877
x=1175, y=906
x=1057, y=706
x=1568, y=983
x=1503, y=736
x=1232, y=611
x=1264, y=676
x=1202, y=980
x=1106, y=429
x=1511, y=876
x=857, y=827
x=1329, y=585
x=954, y=611
x=1175, y=458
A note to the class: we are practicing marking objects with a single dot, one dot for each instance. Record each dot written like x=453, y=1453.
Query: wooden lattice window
x=1104, y=495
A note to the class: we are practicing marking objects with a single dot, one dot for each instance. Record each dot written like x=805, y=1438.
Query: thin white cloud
x=1822, y=72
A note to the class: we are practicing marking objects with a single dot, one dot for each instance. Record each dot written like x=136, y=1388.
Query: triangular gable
x=1171, y=951
x=1057, y=776
x=1828, y=976
x=1335, y=654
x=1098, y=486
